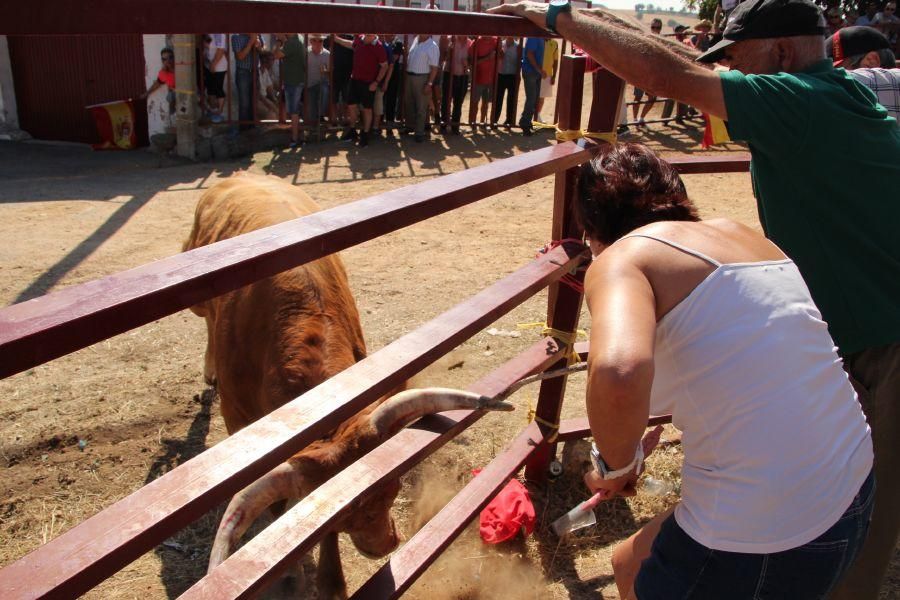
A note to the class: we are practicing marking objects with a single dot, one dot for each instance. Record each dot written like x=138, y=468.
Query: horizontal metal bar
x=710, y=163
x=263, y=559
x=51, y=326
x=408, y=563
x=98, y=17
x=91, y=551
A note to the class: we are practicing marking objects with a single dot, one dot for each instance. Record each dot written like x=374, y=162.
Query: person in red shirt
x=165, y=77
x=484, y=60
x=369, y=70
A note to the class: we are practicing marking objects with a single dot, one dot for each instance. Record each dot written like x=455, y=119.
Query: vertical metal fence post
x=607, y=99
x=564, y=303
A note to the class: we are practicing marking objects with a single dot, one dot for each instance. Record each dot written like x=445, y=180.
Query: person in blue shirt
x=532, y=73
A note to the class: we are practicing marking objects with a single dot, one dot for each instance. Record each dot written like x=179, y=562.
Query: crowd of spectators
x=369, y=84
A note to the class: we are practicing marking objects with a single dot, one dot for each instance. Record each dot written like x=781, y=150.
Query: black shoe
x=527, y=131
x=363, y=139
x=348, y=135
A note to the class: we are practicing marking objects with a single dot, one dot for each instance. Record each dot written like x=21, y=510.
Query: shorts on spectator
x=215, y=84
x=680, y=567
x=546, y=88
x=482, y=91
x=292, y=96
x=341, y=82
x=361, y=94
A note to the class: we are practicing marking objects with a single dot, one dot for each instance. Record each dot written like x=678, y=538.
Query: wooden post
x=564, y=303
x=607, y=101
x=186, y=94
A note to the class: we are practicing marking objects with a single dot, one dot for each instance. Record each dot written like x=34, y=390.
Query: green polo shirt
x=293, y=66
x=826, y=175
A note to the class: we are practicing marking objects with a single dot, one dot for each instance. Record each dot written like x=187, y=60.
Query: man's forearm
x=642, y=61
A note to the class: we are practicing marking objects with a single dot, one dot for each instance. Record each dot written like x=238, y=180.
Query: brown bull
x=274, y=340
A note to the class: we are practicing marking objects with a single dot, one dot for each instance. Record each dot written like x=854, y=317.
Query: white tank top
x=775, y=442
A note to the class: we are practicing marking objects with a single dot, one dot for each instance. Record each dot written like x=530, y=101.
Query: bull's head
x=370, y=525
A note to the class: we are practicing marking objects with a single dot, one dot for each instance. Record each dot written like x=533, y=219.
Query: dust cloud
x=469, y=568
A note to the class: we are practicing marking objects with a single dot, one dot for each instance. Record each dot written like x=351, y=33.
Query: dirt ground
x=83, y=431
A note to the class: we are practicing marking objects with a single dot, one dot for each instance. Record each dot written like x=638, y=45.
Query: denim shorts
x=679, y=568
x=292, y=95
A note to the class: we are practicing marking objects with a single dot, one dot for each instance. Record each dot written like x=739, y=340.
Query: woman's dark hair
x=628, y=186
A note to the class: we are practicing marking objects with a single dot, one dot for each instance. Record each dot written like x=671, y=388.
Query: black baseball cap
x=763, y=19
x=852, y=41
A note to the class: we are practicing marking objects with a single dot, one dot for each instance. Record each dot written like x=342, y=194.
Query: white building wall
x=158, y=118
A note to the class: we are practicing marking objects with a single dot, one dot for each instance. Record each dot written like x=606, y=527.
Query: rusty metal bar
x=710, y=163
x=408, y=563
x=98, y=17
x=96, y=548
x=576, y=429
x=564, y=303
x=51, y=326
x=263, y=559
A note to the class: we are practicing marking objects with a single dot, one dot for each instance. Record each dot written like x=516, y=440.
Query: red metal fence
x=51, y=326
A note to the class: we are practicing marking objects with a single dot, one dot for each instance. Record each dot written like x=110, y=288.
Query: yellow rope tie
x=568, y=135
x=178, y=91
x=554, y=426
x=568, y=338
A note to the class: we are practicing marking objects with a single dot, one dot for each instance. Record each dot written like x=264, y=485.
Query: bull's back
x=276, y=338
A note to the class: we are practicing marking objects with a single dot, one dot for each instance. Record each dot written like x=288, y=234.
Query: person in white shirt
x=866, y=55
x=712, y=323
x=217, y=58
x=421, y=70
x=318, y=60
x=266, y=97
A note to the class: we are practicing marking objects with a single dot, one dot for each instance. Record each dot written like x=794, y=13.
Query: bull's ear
x=201, y=310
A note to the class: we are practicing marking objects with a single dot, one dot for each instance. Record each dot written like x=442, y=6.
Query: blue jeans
x=532, y=84
x=679, y=567
x=244, y=81
x=292, y=96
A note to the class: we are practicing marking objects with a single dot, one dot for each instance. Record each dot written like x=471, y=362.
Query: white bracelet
x=603, y=469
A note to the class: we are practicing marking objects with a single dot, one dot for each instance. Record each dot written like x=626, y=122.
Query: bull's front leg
x=209, y=360
x=329, y=573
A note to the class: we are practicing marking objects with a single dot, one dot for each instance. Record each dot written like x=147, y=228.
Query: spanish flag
x=115, y=125
x=716, y=131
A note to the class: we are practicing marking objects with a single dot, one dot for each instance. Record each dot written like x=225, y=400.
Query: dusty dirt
x=137, y=402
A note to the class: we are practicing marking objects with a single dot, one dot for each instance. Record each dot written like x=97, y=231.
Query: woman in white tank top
x=710, y=321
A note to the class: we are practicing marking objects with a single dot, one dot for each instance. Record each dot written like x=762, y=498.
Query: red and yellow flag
x=115, y=125
x=716, y=131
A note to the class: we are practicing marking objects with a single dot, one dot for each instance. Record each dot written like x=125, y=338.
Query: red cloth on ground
x=509, y=512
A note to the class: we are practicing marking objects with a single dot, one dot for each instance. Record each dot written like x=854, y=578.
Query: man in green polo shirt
x=825, y=170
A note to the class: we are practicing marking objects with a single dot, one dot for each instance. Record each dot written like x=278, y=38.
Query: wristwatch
x=556, y=7
x=607, y=474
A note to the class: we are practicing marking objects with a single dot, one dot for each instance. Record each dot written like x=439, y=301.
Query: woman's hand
x=625, y=485
x=622, y=486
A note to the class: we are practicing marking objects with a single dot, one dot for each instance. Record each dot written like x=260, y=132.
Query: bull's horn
x=402, y=409
x=280, y=483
